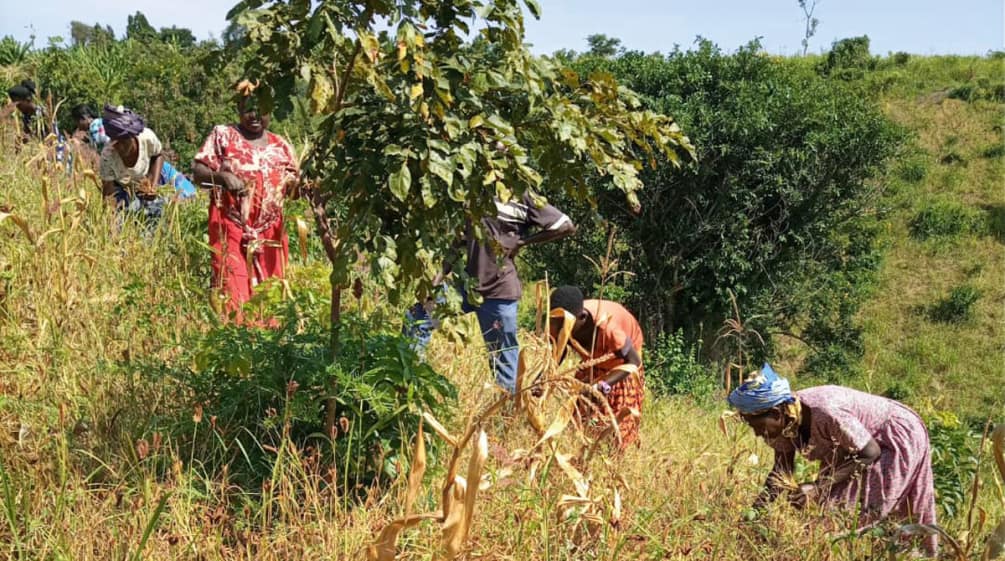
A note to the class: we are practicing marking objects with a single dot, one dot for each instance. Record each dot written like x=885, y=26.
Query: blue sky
x=915, y=26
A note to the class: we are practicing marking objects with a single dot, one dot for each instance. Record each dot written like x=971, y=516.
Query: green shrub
x=267, y=388
x=943, y=219
x=780, y=199
x=848, y=59
x=901, y=58
x=981, y=89
x=954, y=461
x=994, y=152
x=673, y=367
x=952, y=158
x=957, y=306
x=913, y=170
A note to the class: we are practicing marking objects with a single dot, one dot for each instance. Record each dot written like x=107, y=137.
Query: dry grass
x=82, y=479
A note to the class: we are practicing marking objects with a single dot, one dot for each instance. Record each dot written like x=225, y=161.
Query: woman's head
x=251, y=118
x=83, y=114
x=766, y=403
x=23, y=97
x=122, y=126
x=566, y=304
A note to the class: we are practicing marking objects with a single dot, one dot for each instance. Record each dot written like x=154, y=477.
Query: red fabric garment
x=246, y=233
x=616, y=326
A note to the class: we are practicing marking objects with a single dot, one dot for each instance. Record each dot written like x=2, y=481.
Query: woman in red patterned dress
x=251, y=171
x=599, y=328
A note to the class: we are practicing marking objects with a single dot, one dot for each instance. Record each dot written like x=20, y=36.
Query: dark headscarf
x=83, y=110
x=121, y=122
x=19, y=93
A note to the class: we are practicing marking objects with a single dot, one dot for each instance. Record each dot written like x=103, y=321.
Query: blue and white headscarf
x=764, y=391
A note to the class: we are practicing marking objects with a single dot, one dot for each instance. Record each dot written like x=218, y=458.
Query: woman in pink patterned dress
x=870, y=448
x=251, y=171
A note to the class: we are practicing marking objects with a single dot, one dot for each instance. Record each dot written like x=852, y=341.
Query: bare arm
x=850, y=464
x=203, y=175
x=154, y=173
x=781, y=471
x=108, y=188
x=631, y=357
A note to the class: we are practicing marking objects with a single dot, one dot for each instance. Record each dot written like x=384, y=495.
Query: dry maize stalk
x=417, y=471
x=385, y=548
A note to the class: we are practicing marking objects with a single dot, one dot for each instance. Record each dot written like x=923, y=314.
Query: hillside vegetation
x=133, y=424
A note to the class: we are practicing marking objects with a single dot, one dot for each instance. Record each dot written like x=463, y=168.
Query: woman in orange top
x=602, y=327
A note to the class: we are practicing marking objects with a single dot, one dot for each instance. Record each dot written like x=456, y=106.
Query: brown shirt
x=496, y=275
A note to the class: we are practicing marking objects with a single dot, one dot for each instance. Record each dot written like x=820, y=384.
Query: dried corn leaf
x=439, y=429
x=534, y=415
x=475, y=465
x=616, y=510
x=386, y=545
x=20, y=223
x=722, y=421
x=418, y=469
x=574, y=475
x=564, y=334
x=302, y=230
x=521, y=370
x=453, y=525
x=561, y=421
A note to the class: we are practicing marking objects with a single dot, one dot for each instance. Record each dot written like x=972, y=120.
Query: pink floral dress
x=900, y=483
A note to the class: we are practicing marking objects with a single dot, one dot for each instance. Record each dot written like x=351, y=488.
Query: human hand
x=806, y=494
x=233, y=184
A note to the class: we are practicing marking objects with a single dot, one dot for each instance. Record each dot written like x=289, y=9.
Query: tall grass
x=84, y=477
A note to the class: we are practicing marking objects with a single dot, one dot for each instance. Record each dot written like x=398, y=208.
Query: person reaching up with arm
x=517, y=224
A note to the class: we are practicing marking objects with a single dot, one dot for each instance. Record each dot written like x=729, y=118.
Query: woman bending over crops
x=599, y=328
x=251, y=171
x=131, y=163
x=869, y=447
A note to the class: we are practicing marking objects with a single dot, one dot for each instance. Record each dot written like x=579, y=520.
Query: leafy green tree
x=603, y=46
x=13, y=51
x=180, y=36
x=139, y=29
x=780, y=210
x=83, y=34
x=418, y=131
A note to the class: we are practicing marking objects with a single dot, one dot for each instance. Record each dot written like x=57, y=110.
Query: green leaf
x=534, y=7
x=400, y=182
x=429, y=198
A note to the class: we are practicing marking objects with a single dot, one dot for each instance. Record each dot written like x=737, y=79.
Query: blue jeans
x=497, y=319
x=418, y=325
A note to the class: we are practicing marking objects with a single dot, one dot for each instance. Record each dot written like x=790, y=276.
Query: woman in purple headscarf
x=131, y=163
x=874, y=452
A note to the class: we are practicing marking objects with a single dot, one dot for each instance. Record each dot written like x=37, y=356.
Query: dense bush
x=776, y=209
x=944, y=219
x=674, y=367
x=954, y=461
x=955, y=307
x=267, y=388
x=848, y=59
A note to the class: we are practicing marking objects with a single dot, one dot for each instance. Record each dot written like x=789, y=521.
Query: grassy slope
x=74, y=486
x=957, y=367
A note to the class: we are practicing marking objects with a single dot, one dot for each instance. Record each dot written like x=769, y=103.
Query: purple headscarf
x=121, y=122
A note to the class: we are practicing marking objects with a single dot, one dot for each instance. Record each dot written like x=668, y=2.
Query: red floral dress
x=246, y=233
